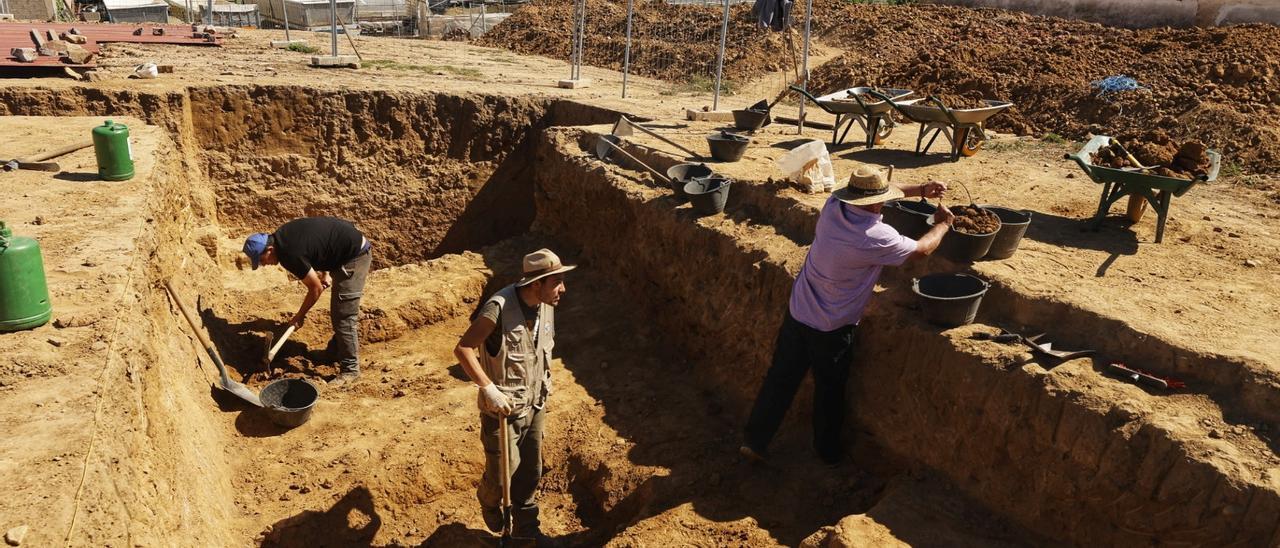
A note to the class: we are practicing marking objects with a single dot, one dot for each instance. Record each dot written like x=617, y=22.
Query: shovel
x=241, y=391
x=1046, y=348
x=38, y=163
x=609, y=143
x=625, y=128
x=504, y=468
x=275, y=348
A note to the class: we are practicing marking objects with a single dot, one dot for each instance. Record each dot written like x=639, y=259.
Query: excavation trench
x=663, y=338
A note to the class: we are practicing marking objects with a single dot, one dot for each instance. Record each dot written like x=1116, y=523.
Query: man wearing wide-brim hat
x=507, y=353
x=850, y=247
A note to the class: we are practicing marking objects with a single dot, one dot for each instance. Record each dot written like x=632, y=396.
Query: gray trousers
x=526, y=468
x=344, y=310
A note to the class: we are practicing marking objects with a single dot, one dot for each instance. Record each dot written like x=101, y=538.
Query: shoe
x=343, y=379
x=752, y=455
x=492, y=518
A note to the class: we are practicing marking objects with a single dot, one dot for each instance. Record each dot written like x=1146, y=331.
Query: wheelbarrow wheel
x=882, y=132
x=970, y=141
x=1137, y=207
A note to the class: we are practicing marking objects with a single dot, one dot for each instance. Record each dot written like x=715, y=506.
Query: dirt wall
x=1069, y=454
x=1143, y=13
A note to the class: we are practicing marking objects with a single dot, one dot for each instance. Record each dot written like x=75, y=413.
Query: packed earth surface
x=456, y=159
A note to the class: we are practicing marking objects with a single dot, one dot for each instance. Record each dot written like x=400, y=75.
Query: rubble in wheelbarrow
x=1157, y=150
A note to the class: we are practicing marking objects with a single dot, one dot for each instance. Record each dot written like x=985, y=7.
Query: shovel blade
x=604, y=145
x=241, y=391
x=623, y=128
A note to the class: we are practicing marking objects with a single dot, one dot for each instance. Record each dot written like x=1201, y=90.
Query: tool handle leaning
x=204, y=339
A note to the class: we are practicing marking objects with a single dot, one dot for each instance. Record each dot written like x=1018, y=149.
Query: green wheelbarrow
x=1117, y=183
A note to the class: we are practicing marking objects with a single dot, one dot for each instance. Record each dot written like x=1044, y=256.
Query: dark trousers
x=344, y=310
x=525, y=452
x=800, y=348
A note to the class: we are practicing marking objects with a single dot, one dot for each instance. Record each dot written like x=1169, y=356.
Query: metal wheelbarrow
x=874, y=117
x=963, y=128
x=1117, y=183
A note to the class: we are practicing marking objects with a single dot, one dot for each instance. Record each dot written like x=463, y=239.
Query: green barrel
x=24, y=295
x=115, y=156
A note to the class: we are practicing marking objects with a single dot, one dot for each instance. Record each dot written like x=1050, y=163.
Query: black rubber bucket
x=708, y=195
x=950, y=299
x=1013, y=225
x=960, y=247
x=289, y=402
x=909, y=217
x=749, y=119
x=727, y=147
x=681, y=174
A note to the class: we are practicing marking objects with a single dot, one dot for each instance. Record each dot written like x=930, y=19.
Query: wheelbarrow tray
x=925, y=113
x=842, y=102
x=1133, y=176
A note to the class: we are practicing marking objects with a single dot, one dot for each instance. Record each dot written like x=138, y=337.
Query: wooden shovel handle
x=55, y=153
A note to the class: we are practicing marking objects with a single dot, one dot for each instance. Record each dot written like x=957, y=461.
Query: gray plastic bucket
x=727, y=147
x=909, y=217
x=749, y=119
x=681, y=174
x=950, y=300
x=1013, y=225
x=960, y=247
x=289, y=402
x=708, y=195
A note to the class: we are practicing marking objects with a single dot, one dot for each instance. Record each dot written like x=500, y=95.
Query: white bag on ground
x=809, y=165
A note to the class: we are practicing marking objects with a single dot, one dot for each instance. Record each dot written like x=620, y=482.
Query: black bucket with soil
x=950, y=300
x=289, y=402
x=909, y=217
x=961, y=246
x=1013, y=225
x=708, y=195
x=681, y=174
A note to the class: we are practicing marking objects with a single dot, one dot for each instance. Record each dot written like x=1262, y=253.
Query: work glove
x=492, y=400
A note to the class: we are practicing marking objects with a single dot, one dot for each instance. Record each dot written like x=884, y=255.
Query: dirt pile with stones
x=668, y=42
x=1218, y=85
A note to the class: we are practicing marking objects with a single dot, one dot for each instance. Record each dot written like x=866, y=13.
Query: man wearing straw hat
x=516, y=329
x=850, y=247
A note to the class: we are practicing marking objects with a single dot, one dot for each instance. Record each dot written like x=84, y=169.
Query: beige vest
x=521, y=367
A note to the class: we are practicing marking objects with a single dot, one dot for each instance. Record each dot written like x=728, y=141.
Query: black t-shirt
x=322, y=244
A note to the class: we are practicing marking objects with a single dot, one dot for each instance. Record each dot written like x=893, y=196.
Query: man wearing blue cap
x=312, y=249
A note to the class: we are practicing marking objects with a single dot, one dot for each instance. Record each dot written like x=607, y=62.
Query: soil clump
x=972, y=219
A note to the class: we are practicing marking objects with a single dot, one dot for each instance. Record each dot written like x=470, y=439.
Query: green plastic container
x=24, y=295
x=115, y=156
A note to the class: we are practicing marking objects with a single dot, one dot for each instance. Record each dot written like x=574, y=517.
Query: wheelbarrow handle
x=811, y=98
x=945, y=111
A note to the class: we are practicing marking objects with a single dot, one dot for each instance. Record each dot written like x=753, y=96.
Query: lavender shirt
x=849, y=248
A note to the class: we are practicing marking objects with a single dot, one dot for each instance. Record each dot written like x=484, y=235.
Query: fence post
x=333, y=26
x=626, y=55
x=582, y=30
x=285, y=8
x=724, y=30
x=808, y=17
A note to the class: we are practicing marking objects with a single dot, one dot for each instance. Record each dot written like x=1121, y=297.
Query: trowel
x=1035, y=343
x=241, y=391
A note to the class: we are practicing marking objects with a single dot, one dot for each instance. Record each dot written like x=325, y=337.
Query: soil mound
x=668, y=42
x=1217, y=85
